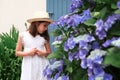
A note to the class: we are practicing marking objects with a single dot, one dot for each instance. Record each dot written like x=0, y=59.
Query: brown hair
x=33, y=31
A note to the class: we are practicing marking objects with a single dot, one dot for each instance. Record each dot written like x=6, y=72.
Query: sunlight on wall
x=17, y=11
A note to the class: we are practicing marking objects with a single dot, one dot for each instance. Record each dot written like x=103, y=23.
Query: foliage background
x=10, y=65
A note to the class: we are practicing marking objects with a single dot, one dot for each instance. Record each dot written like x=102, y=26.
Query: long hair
x=33, y=31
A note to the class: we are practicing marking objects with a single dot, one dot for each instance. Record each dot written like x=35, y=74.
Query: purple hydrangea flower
x=82, y=53
x=77, y=19
x=85, y=15
x=118, y=4
x=107, y=77
x=57, y=75
x=116, y=42
x=98, y=70
x=92, y=77
x=101, y=34
x=47, y=71
x=90, y=72
x=77, y=55
x=83, y=44
x=65, y=78
x=73, y=20
x=71, y=56
x=85, y=38
x=66, y=48
x=95, y=45
x=107, y=43
x=109, y=22
x=117, y=16
x=99, y=25
x=83, y=63
x=90, y=64
x=70, y=44
x=75, y=4
x=58, y=38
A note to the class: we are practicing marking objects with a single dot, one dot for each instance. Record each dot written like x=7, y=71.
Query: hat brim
x=40, y=19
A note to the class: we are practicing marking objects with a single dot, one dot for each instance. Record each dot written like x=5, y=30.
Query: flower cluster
x=55, y=67
x=85, y=41
x=93, y=63
x=73, y=20
x=102, y=27
x=76, y=4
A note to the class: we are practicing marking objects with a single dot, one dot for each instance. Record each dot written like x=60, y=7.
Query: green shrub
x=10, y=65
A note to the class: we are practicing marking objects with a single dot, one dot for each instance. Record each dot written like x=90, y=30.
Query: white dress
x=33, y=66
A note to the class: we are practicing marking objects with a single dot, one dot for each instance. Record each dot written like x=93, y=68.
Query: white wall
x=17, y=11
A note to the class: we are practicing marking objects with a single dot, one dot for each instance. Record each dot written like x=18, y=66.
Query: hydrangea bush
x=87, y=42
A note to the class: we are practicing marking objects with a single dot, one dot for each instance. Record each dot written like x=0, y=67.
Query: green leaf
x=103, y=12
x=56, y=54
x=69, y=69
x=115, y=30
x=100, y=14
x=113, y=6
x=79, y=74
x=106, y=1
x=56, y=32
x=113, y=57
x=117, y=12
x=95, y=14
x=90, y=22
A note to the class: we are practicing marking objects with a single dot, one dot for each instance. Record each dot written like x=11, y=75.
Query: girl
x=35, y=43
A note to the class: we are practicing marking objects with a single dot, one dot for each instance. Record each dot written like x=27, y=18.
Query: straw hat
x=40, y=16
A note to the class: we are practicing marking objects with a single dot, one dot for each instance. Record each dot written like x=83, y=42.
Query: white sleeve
x=21, y=35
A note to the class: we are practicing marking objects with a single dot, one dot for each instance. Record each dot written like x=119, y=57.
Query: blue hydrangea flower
x=47, y=71
x=58, y=38
x=103, y=77
x=110, y=42
x=73, y=20
x=57, y=75
x=90, y=72
x=83, y=63
x=107, y=43
x=100, y=32
x=92, y=77
x=77, y=55
x=116, y=42
x=118, y=4
x=56, y=65
x=117, y=16
x=83, y=44
x=98, y=70
x=75, y=4
x=85, y=15
x=109, y=22
x=82, y=53
x=77, y=19
x=99, y=25
x=107, y=77
x=95, y=53
x=63, y=78
x=85, y=37
x=70, y=44
x=95, y=45
x=71, y=56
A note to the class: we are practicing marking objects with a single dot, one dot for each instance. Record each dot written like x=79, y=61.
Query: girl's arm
x=19, y=51
x=47, y=52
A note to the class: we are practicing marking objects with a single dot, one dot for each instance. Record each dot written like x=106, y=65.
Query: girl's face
x=42, y=27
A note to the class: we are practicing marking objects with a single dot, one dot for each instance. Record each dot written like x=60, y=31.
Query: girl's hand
x=40, y=53
x=32, y=52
